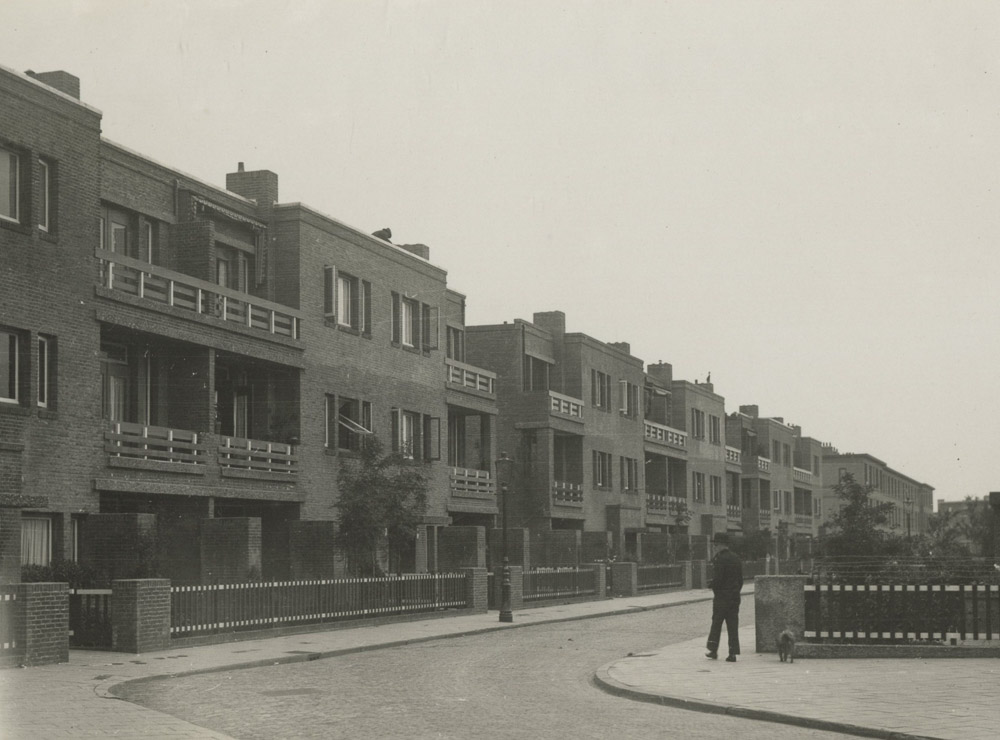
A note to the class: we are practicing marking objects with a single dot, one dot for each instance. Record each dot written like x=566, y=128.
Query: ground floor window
x=36, y=540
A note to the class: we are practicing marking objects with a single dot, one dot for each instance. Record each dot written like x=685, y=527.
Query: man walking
x=727, y=582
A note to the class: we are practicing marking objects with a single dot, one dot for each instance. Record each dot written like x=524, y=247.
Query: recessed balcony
x=253, y=458
x=155, y=448
x=567, y=493
x=472, y=483
x=158, y=286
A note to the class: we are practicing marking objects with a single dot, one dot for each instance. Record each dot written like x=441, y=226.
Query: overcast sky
x=802, y=198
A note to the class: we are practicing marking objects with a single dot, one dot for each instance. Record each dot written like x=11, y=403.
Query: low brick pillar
x=10, y=545
x=45, y=622
x=140, y=615
x=779, y=602
x=476, y=588
x=600, y=579
x=516, y=586
x=686, y=574
x=624, y=579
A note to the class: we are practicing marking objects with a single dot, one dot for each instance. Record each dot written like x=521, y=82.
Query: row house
x=913, y=501
x=201, y=361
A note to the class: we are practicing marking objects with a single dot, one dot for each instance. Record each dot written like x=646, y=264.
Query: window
x=536, y=374
x=330, y=422
x=36, y=540
x=355, y=421
x=786, y=457
x=714, y=430
x=600, y=390
x=630, y=474
x=147, y=247
x=697, y=423
x=347, y=300
x=715, y=489
x=44, y=196
x=416, y=436
x=46, y=371
x=788, y=502
x=9, y=367
x=776, y=452
x=815, y=465
x=817, y=507
x=428, y=327
x=630, y=399
x=602, y=469
x=776, y=501
x=455, y=344
x=698, y=479
x=10, y=196
x=406, y=321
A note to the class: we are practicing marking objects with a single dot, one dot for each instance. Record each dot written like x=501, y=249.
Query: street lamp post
x=504, y=468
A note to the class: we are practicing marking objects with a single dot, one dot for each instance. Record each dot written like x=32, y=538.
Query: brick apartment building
x=191, y=365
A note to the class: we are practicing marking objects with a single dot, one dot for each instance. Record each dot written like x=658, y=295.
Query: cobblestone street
x=526, y=683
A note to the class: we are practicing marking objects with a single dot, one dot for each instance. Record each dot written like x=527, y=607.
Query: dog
x=786, y=646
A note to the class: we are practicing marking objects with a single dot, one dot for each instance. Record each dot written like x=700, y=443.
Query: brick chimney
x=750, y=410
x=623, y=346
x=662, y=371
x=64, y=82
x=260, y=186
x=421, y=250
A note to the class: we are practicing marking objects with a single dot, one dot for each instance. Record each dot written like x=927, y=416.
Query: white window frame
x=407, y=434
x=45, y=201
x=13, y=359
x=13, y=201
x=407, y=312
x=346, y=285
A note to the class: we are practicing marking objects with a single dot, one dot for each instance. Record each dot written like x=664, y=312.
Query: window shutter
x=366, y=307
x=596, y=473
x=593, y=387
x=429, y=331
x=432, y=438
x=623, y=387
x=396, y=312
x=621, y=469
x=330, y=292
x=396, y=430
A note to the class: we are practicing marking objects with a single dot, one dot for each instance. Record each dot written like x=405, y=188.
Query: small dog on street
x=786, y=646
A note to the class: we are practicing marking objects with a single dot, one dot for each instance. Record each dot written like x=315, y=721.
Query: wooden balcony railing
x=168, y=288
x=656, y=502
x=161, y=444
x=733, y=511
x=565, y=405
x=763, y=464
x=472, y=482
x=665, y=435
x=257, y=456
x=467, y=376
x=566, y=492
x=733, y=455
x=676, y=504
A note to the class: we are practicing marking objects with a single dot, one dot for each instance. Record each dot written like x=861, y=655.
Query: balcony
x=804, y=521
x=157, y=448
x=157, y=285
x=471, y=483
x=764, y=519
x=662, y=434
x=460, y=376
x=733, y=455
x=734, y=512
x=564, y=492
x=676, y=505
x=565, y=407
x=801, y=474
x=252, y=458
x=656, y=502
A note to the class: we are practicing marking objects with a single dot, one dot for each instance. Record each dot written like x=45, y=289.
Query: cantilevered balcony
x=664, y=435
x=152, y=447
x=565, y=407
x=733, y=456
x=462, y=377
x=253, y=458
x=567, y=493
x=157, y=286
x=801, y=474
x=472, y=483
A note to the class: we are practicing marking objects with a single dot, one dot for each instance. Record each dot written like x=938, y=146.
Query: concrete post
x=624, y=579
x=779, y=603
x=140, y=615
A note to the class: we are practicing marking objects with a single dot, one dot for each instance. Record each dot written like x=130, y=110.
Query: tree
x=861, y=528
x=980, y=526
x=382, y=499
x=945, y=536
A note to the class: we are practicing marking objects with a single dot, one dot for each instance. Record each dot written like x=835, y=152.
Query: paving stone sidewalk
x=951, y=699
x=946, y=698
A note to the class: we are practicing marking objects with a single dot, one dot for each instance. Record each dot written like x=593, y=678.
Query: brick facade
x=140, y=615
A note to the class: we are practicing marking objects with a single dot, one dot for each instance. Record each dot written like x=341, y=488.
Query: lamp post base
x=505, y=613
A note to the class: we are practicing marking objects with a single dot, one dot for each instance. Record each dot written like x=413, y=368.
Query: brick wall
x=311, y=549
x=461, y=547
x=45, y=621
x=555, y=548
x=518, y=547
x=10, y=545
x=476, y=587
x=230, y=550
x=120, y=545
x=140, y=621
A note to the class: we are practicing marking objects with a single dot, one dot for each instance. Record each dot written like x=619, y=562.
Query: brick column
x=140, y=615
x=10, y=545
x=624, y=579
x=45, y=622
x=687, y=573
x=600, y=579
x=476, y=585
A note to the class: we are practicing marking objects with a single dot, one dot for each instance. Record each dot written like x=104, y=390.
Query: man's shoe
x=711, y=654
x=731, y=659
